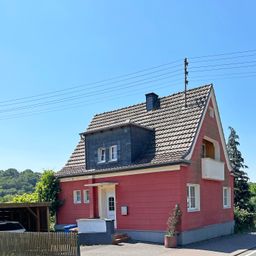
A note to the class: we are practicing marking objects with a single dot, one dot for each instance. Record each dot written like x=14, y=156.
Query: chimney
x=152, y=101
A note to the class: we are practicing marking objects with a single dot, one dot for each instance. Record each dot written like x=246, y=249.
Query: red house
x=134, y=164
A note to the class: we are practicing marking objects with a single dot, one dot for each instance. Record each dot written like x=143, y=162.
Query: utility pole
x=186, y=79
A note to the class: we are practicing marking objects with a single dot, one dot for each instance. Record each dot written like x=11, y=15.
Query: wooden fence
x=38, y=244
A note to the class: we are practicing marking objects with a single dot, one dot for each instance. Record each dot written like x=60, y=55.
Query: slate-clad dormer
x=118, y=145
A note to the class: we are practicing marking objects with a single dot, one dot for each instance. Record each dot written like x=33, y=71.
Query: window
x=101, y=155
x=211, y=112
x=77, y=197
x=111, y=203
x=193, y=197
x=226, y=197
x=113, y=153
x=86, y=197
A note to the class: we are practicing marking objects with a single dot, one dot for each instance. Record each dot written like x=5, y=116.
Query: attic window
x=211, y=112
x=101, y=155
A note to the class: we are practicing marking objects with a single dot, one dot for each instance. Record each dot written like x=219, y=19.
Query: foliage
x=173, y=221
x=244, y=220
x=14, y=183
x=241, y=187
x=26, y=198
x=47, y=189
x=252, y=187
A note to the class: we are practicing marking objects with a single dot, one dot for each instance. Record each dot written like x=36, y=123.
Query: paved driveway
x=228, y=245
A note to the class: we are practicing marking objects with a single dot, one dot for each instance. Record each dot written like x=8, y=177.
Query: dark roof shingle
x=175, y=128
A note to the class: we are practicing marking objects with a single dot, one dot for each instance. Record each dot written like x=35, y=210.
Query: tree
x=26, y=198
x=241, y=187
x=252, y=187
x=47, y=189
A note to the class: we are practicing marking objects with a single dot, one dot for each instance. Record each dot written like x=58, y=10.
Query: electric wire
x=84, y=96
x=72, y=96
x=82, y=104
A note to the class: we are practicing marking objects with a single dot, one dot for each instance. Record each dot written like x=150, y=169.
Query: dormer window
x=101, y=155
x=113, y=153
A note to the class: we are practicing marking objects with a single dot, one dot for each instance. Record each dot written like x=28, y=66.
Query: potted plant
x=170, y=239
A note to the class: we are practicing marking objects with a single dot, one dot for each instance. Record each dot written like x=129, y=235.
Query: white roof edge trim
x=218, y=120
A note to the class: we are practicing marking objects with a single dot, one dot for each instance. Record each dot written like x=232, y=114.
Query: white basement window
x=193, y=197
x=101, y=155
x=113, y=153
x=77, y=197
x=86, y=197
x=226, y=197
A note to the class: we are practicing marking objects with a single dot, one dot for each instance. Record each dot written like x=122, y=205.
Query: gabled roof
x=175, y=130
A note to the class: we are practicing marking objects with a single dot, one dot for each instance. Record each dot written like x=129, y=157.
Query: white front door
x=107, y=202
x=111, y=205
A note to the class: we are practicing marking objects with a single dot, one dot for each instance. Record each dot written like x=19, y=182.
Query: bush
x=244, y=220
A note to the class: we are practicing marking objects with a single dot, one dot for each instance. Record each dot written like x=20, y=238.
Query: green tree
x=47, y=189
x=242, y=193
x=252, y=187
x=26, y=198
x=14, y=183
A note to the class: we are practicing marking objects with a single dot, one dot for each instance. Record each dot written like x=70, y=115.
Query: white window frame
x=75, y=197
x=110, y=153
x=100, y=155
x=227, y=197
x=86, y=195
x=196, y=207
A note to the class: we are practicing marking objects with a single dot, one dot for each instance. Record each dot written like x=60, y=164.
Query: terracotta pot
x=170, y=241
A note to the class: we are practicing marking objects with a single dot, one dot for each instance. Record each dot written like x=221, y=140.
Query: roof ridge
x=138, y=104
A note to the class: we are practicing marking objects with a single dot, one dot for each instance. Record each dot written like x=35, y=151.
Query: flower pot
x=170, y=241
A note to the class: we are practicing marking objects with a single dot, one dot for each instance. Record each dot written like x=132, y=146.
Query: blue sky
x=48, y=46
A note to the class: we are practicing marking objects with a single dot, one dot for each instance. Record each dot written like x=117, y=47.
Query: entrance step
x=119, y=238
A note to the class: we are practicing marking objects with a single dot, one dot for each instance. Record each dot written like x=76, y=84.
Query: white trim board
x=123, y=173
x=220, y=129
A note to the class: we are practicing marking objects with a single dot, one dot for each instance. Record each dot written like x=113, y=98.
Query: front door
x=107, y=202
x=111, y=205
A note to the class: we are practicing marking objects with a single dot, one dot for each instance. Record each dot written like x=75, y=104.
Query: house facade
x=134, y=164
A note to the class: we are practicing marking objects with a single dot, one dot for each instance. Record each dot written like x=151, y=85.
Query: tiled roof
x=175, y=129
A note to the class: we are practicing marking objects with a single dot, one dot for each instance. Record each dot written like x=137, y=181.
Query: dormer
x=117, y=145
x=212, y=167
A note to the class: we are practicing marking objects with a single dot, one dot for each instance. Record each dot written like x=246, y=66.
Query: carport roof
x=23, y=205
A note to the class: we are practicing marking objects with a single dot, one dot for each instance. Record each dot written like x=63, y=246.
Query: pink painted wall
x=150, y=197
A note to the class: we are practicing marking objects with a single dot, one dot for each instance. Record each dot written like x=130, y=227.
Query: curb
x=246, y=250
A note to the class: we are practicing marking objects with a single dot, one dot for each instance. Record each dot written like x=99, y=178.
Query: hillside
x=13, y=183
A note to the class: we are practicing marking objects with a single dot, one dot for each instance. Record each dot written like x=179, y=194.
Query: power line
x=224, y=58
x=223, y=78
x=105, y=88
x=228, y=74
x=72, y=95
x=214, y=69
x=67, y=90
x=86, y=95
x=101, y=81
x=81, y=104
x=224, y=64
x=221, y=54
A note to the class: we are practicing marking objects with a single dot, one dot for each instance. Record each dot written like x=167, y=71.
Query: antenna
x=186, y=79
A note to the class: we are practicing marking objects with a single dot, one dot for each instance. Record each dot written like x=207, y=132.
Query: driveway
x=228, y=245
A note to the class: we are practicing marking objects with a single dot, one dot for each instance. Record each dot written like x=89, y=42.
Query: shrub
x=244, y=220
x=173, y=221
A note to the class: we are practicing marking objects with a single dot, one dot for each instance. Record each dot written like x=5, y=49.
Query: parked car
x=11, y=226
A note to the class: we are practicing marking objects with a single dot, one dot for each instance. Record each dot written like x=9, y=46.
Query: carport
x=33, y=216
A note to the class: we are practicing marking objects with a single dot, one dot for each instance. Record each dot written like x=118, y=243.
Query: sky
x=61, y=62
